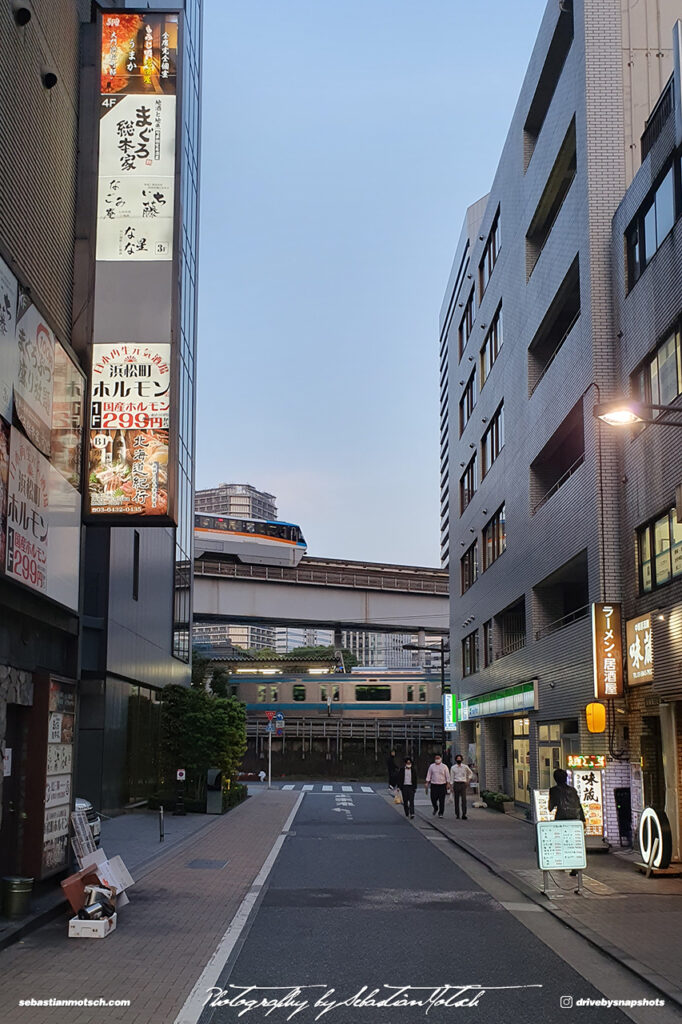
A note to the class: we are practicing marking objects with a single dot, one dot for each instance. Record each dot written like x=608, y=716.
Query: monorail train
x=257, y=541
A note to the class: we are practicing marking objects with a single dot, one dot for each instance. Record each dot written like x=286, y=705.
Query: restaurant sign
x=640, y=650
x=607, y=651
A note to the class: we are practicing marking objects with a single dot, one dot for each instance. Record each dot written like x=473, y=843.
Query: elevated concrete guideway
x=325, y=592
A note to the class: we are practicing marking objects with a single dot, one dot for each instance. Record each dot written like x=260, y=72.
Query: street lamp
x=625, y=412
x=443, y=649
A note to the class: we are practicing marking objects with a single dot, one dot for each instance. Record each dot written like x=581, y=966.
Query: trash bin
x=214, y=791
x=16, y=896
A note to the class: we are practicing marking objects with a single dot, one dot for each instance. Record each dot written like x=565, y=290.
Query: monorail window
x=299, y=691
x=372, y=692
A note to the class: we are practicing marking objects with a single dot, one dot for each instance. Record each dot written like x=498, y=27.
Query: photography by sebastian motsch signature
x=324, y=999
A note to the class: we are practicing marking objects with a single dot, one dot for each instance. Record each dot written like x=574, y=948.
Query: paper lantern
x=596, y=717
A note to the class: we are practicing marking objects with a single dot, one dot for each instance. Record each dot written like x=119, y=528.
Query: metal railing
x=409, y=731
x=511, y=646
x=658, y=117
x=565, y=620
x=559, y=483
x=324, y=577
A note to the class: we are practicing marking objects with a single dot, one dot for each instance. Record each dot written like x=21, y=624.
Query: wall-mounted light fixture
x=22, y=13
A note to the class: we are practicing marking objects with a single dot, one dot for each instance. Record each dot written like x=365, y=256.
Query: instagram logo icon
x=566, y=1002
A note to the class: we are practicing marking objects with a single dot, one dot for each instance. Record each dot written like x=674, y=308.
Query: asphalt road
x=359, y=899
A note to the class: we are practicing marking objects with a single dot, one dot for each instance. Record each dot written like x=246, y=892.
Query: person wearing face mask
x=407, y=784
x=460, y=777
x=438, y=778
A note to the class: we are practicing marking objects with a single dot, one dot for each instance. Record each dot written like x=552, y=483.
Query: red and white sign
x=270, y=715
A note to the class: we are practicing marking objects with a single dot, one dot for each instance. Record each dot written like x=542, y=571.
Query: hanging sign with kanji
x=639, y=641
x=607, y=651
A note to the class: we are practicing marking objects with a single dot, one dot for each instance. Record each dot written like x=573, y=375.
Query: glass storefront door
x=549, y=753
x=522, y=760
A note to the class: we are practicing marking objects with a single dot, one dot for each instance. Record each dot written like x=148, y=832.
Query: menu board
x=58, y=775
x=561, y=845
x=589, y=787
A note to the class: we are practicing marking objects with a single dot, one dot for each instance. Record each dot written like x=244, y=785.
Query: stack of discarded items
x=97, y=891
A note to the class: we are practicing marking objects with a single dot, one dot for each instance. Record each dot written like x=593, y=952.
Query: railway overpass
x=324, y=592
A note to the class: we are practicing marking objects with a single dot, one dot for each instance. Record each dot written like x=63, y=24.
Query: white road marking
x=287, y=787
x=189, y=1014
x=366, y=789
x=347, y=789
x=327, y=789
x=521, y=906
x=307, y=789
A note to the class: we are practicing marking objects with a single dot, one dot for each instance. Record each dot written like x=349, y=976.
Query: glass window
x=422, y=694
x=410, y=693
x=377, y=693
x=662, y=549
x=467, y=402
x=335, y=693
x=323, y=693
x=667, y=371
x=492, y=346
x=494, y=538
x=470, y=654
x=469, y=566
x=493, y=441
x=488, y=642
x=262, y=695
x=467, y=484
x=274, y=696
x=665, y=207
x=299, y=691
x=650, y=245
x=645, y=558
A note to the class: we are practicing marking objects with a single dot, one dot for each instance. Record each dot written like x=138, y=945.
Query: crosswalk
x=318, y=787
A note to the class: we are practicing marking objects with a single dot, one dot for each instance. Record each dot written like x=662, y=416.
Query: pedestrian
x=393, y=769
x=261, y=775
x=407, y=784
x=438, y=778
x=460, y=777
x=566, y=800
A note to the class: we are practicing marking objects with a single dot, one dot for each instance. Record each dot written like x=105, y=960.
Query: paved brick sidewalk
x=176, y=917
x=636, y=919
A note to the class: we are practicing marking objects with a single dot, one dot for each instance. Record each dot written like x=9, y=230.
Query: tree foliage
x=220, y=680
x=200, y=665
x=200, y=731
x=349, y=659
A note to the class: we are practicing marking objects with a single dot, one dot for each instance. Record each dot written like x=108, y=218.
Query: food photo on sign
x=128, y=472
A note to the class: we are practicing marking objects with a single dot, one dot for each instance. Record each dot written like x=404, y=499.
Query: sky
x=342, y=142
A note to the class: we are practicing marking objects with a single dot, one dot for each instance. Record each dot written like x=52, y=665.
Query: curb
x=657, y=981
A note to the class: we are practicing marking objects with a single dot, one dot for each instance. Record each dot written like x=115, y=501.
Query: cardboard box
x=91, y=929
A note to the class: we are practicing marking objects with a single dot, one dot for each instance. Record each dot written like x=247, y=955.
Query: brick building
x=534, y=525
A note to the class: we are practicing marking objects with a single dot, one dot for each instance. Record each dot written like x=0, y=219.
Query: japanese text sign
x=640, y=650
x=607, y=651
x=589, y=788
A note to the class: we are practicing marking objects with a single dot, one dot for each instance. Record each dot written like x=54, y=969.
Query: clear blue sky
x=342, y=142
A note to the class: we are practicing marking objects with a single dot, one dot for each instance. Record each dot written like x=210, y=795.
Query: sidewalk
x=634, y=919
x=135, y=836
x=177, y=915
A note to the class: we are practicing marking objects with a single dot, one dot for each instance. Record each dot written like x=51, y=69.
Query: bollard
x=161, y=832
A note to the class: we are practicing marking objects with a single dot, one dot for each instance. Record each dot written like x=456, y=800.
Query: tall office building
x=236, y=500
x=534, y=524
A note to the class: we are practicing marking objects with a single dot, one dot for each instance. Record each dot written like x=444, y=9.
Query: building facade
x=647, y=291
x=42, y=390
x=534, y=523
x=236, y=500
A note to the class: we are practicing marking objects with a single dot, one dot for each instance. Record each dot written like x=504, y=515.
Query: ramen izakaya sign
x=607, y=651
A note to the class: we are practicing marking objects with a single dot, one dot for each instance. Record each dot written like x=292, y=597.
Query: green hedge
x=496, y=800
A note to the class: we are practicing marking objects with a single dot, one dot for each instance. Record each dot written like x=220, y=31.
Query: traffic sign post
x=270, y=729
x=180, y=777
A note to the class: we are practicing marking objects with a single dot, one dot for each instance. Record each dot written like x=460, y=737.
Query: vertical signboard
x=589, y=788
x=131, y=386
x=639, y=643
x=8, y=348
x=35, y=374
x=58, y=775
x=129, y=420
x=607, y=651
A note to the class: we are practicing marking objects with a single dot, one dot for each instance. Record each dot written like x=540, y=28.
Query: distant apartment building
x=288, y=638
x=534, y=531
x=236, y=500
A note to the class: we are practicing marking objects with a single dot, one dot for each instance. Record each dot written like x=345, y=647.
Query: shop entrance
x=12, y=793
x=653, y=779
x=522, y=760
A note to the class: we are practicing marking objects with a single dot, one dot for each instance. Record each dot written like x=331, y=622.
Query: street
x=321, y=903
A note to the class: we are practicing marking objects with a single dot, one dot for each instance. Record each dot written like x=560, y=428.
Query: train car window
x=234, y=524
x=249, y=527
x=373, y=693
x=410, y=693
x=274, y=694
x=422, y=695
x=262, y=695
x=335, y=693
x=299, y=691
x=222, y=524
x=323, y=693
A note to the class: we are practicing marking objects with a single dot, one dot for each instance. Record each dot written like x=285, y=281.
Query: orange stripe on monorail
x=236, y=533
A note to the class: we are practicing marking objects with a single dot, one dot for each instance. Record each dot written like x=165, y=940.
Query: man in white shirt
x=438, y=778
x=460, y=777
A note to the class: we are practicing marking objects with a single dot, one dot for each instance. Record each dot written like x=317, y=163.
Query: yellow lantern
x=596, y=717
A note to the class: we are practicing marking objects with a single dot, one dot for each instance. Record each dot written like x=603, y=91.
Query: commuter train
x=256, y=541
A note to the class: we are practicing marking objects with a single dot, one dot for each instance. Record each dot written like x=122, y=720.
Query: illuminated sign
x=597, y=761
x=521, y=697
x=640, y=650
x=655, y=838
x=450, y=712
x=8, y=349
x=607, y=653
x=589, y=787
x=135, y=194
